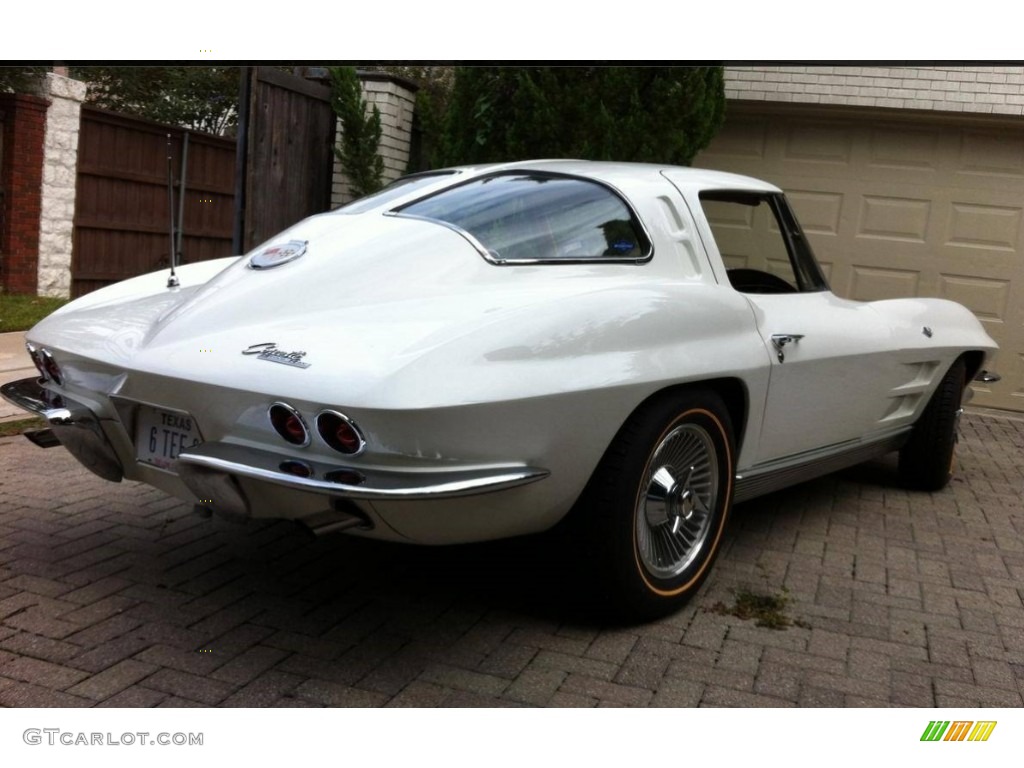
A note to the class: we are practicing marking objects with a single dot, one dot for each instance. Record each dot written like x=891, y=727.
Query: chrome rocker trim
x=76, y=427
x=775, y=475
x=209, y=468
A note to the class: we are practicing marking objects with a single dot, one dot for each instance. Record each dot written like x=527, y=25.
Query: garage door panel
x=986, y=298
x=819, y=212
x=902, y=151
x=986, y=227
x=872, y=283
x=817, y=143
x=997, y=154
x=893, y=218
x=924, y=205
x=741, y=140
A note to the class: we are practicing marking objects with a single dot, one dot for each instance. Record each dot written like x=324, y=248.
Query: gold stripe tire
x=652, y=517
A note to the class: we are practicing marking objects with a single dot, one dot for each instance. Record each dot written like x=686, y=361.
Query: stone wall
x=60, y=162
x=396, y=100
x=991, y=90
x=21, y=179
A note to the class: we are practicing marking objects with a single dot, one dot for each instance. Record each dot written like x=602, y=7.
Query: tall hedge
x=655, y=114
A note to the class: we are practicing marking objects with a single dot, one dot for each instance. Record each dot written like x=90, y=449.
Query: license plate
x=162, y=434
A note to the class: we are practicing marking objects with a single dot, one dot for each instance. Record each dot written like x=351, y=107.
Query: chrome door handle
x=780, y=340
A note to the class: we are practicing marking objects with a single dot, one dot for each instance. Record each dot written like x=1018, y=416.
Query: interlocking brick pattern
x=116, y=595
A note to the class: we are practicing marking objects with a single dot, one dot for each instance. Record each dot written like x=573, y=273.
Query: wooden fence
x=122, y=216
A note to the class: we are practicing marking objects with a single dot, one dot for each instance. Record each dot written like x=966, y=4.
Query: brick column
x=60, y=163
x=21, y=180
x=396, y=100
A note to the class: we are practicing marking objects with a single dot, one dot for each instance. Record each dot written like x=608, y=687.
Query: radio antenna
x=182, y=183
x=172, y=280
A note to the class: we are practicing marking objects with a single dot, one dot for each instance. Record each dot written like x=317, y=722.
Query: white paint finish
x=447, y=360
x=832, y=385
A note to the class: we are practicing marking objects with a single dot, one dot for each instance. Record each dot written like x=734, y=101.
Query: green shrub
x=654, y=114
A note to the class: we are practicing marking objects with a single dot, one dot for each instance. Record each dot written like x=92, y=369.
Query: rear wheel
x=926, y=461
x=656, y=507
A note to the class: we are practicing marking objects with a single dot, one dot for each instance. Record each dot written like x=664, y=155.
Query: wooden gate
x=122, y=216
x=289, y=126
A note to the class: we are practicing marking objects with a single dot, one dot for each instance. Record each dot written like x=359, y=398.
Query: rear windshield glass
x=530, y=217
x=397, y=188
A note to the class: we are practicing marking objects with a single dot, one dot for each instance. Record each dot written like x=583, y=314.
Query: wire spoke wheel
x=673, y=515
x=649, y=525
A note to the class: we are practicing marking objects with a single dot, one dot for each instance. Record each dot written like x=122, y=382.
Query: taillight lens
x=50, y=367
x=287, y=422
x=340, y=432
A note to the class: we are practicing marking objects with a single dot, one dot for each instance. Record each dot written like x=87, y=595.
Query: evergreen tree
x=655, y=114
x=360, y=133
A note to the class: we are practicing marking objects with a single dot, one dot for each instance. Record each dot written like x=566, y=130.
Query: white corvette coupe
x=486, y=352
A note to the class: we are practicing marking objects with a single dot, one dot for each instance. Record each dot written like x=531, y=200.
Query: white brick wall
x=60, y=159
x=992, y=90
x=396, y=103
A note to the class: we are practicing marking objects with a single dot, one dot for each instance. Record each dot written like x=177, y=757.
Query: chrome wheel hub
x=674, y=508
x=670, y=501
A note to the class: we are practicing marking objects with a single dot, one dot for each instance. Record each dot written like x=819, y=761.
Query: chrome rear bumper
x=72, y=423
x=210, y=470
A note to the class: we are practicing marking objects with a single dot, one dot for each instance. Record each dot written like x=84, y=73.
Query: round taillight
x=287, y=422
x=50, y=367
x=340, y=432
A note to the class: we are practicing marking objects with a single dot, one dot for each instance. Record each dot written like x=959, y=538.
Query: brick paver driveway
x=119, y=596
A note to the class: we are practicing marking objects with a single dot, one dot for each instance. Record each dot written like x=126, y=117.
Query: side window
x=761, y=244
x=529, y=217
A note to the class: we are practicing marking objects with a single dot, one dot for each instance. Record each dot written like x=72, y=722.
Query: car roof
x=685, y=178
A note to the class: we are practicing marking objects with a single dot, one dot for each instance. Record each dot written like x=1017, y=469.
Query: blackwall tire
x=926, y=461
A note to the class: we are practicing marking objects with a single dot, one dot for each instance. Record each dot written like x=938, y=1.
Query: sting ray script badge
x=269, y=351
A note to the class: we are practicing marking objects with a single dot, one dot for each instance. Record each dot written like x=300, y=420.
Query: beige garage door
x=902, y=206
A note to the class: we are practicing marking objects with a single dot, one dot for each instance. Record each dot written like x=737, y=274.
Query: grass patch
x=8, y=428
x=19, y=312
x=769, y=610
